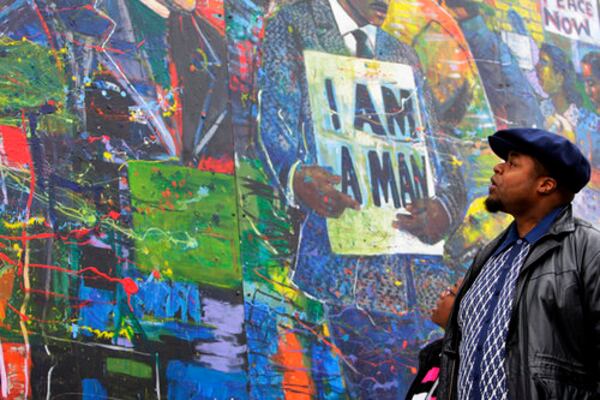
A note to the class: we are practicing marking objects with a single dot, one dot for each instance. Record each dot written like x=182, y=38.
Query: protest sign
x=575, y=19
x=368, y=130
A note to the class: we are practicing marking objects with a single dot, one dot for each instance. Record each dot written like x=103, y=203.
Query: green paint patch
x=128, y=367
x=30, y=77
x=185, y=223
x=267, y=245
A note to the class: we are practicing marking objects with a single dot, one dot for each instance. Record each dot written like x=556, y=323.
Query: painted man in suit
x=373, y=301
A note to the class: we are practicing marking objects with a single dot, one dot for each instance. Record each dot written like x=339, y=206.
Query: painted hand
x=428, y=220
x=314, y=186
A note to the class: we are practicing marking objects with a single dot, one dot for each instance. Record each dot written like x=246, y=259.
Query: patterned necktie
x=363, y=49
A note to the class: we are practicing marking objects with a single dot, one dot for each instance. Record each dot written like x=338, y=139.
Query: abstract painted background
x=151, y=242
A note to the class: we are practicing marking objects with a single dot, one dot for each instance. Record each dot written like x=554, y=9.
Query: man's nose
x=499, y=167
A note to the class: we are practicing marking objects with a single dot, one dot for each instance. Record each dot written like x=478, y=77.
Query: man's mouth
x=379, y=7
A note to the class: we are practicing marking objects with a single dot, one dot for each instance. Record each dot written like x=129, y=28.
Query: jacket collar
x=565, y=222
x=328, y=33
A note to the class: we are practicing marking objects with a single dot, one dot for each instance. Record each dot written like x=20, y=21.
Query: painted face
x=514, y=184
x=551, y=81
x=592, y=84
x=441, y=312
x=368, y=11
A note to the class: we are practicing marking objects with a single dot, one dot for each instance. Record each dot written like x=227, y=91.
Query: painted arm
x=286, y=138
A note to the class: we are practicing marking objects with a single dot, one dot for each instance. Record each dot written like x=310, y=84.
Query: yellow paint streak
x=20, y=225
x=100, y=334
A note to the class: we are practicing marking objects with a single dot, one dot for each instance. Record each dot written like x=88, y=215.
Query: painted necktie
x=363, y=49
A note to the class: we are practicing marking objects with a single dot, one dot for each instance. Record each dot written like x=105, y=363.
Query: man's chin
x=493, y=205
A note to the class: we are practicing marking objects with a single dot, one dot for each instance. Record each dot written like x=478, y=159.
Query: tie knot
x=363, y=48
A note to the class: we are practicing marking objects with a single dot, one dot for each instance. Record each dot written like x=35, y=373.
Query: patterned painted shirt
x=484, y=315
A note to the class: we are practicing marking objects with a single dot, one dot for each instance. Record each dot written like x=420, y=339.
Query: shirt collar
x=534, y=235
x=345, y=23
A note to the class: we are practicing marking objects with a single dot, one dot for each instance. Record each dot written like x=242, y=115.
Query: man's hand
x=314, y=186
x=428, y=220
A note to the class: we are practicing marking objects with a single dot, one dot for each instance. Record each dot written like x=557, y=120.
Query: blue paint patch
x=85, y=22
x=97, y=314
x=263, y=338
x=92, y=389
x=191, y=381
x=163, y=300
x=187, y=332
x=326, y=373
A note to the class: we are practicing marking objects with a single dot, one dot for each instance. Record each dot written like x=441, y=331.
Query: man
x=361, y=291
x=526, y=322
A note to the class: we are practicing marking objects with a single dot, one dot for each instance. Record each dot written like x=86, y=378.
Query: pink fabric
x=432, y=375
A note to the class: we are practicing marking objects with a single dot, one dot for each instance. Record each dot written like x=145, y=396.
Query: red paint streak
x=224, y=165
x=27, y=238
x=213, y=11
x=7, y=259
x=128, y=284
x=49, y=36
x=103, y=138
x=297, y=382
x=16, y=148
x=19, y=313
x=18, y=364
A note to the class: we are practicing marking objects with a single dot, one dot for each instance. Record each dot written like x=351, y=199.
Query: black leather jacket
x=553, y=342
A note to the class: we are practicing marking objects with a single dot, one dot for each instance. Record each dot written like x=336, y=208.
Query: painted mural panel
x=327, y=319
x=258, y=198
x=120, y=275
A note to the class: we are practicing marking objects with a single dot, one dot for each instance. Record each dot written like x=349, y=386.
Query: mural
x=119, y=234
x=362, y=165
x=231, y=199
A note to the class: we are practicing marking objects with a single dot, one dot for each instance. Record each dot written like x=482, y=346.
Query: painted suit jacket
x=286, y=137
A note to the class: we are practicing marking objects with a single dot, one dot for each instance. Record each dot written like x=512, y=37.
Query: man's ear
x=547, y=185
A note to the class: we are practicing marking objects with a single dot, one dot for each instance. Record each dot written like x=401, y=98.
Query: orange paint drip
x=297, y=382
x=7, y=282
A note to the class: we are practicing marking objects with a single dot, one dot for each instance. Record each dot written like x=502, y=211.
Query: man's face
x=368, y=11
x=514, y=184
x=592, y=84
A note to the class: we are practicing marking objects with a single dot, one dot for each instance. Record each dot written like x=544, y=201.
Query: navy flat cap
x=563, y=159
